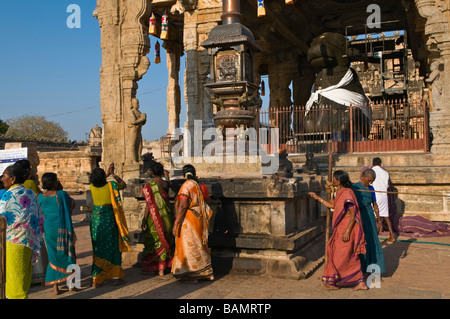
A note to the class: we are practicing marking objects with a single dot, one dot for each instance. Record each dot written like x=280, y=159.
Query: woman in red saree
x=347, y=242
x=157, y=223
x=192, y=259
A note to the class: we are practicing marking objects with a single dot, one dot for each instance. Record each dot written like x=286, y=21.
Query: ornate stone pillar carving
x=124, y=43
x=438, y=44
x=197, y=25
x=281, y=75
x=174, y=53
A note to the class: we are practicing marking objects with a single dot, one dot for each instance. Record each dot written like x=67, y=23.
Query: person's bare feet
x=55, y=289
x=118, y=282
x=361, y=286
x=161, y=272
x=331, y=287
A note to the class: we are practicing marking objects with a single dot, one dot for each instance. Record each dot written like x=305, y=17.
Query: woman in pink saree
x=347, y=242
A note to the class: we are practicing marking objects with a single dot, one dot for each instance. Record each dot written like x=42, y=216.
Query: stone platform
x=421, y=179
x=261, y=224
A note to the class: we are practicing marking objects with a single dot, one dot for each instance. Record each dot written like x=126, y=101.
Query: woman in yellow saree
x=192, y=259
x=109, y=232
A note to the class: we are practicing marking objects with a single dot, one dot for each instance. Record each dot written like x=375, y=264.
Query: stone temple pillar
x=437, y=32
x=174, y=53
x=125, y=43
x=197, y=25
x=281, y=75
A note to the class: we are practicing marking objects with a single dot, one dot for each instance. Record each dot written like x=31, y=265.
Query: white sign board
x=9, y=157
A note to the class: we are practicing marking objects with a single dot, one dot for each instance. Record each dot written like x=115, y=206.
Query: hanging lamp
x=157, y=52
x=152, y=25
x=164, y=27
x=261, y=8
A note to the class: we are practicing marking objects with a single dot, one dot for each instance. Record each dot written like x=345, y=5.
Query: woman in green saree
x=109, y=232
x=57, y=206
x=371, y=221
x=157, y=223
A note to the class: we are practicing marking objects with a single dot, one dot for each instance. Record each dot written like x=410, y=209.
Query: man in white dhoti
x=381, y=185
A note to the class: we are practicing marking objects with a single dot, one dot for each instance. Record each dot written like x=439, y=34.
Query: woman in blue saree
x=59, y=235
x=371, y=221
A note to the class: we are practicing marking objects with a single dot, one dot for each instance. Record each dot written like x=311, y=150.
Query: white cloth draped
x=341, y=96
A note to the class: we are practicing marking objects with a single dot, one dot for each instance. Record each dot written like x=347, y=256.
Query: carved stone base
x=271, y=256
x=440, y=130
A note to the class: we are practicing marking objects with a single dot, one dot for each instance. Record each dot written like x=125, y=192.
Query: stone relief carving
x=227, y=67
x=142, y=67
x=186, y=5
x=136, y=120
x=435, y=80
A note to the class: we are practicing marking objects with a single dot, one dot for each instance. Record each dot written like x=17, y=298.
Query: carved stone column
x=124, y=43
x=174, y=53
x=197, y=25
x=438, y=44
x=281, y=75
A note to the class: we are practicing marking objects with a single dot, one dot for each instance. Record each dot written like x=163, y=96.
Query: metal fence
x=2, y=257
x=392, y=126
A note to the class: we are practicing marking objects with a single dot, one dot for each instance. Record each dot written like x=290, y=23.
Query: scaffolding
x=387, y=48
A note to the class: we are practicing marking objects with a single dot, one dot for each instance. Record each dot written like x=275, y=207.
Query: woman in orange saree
x=192, y=259
x=347, y=242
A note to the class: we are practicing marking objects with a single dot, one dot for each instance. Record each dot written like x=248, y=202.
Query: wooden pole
x=2, y=257
x=328, y=218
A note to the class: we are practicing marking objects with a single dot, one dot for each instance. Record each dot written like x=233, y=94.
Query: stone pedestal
x=261, y=225
x=266, y=225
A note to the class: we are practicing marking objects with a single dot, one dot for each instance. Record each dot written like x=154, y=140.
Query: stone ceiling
x=293, y=27
x=286, y=31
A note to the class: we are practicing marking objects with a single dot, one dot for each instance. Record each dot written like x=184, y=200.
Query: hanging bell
x=152, y=25
x=261, y=8
x=164, y=27
x=157, y=53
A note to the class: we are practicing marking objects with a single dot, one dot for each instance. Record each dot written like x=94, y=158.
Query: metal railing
x=2, y=257
x=387, y=126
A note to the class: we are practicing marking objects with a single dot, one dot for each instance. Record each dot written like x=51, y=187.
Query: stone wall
x=422, y=180
x=69, y=165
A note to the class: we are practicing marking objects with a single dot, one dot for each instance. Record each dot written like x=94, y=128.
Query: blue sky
x=50, y=70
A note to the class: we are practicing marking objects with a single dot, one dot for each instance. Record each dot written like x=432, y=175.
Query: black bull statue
x=335, y=88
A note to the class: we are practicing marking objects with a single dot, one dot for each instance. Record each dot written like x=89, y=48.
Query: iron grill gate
x=394, y=126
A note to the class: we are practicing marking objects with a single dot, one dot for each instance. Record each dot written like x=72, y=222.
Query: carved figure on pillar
x=136, y=120
x=435, y=80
